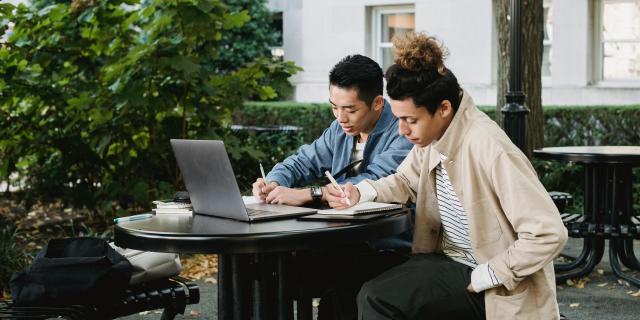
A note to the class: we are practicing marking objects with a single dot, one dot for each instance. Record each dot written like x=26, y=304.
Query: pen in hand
x=263, y=176
x=336, y=185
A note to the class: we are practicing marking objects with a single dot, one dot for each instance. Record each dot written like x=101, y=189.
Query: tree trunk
x=532, y=37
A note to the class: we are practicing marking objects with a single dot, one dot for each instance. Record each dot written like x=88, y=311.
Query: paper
x=251, y=200
x=361, y=208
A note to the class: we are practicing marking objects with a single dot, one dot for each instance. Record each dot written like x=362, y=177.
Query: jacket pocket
x=486, y=228
x=501, y=304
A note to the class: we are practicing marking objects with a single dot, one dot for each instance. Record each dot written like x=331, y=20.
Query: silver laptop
x=212, y=186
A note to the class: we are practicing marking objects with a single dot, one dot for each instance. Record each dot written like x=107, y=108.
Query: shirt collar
x=450, y=141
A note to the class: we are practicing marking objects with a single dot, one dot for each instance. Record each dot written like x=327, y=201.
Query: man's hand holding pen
x=261, y=189
x=340, y=199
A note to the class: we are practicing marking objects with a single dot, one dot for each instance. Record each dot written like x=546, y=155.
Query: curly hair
x=419, y=72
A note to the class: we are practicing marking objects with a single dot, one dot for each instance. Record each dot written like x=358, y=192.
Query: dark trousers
x=337, y=275
x=428, y=286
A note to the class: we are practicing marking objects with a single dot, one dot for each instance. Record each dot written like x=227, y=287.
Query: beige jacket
x=513, y=223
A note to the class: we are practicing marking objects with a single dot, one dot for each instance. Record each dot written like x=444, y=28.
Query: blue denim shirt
x=383, y=152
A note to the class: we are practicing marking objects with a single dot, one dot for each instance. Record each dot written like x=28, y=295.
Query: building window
x=388, y=22
x=277, y=48
x=547, y=53
x=618, y=49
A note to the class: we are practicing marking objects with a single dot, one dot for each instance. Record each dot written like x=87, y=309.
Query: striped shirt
x=455, y=227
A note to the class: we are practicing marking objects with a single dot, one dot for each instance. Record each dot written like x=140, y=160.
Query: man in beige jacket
x=486, y=230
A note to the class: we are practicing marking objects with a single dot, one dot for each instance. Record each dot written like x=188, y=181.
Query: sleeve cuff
x=483, y=278
x=277, y=179
x=367, y=192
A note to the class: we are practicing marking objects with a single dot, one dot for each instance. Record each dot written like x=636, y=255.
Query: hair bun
x=418, y=52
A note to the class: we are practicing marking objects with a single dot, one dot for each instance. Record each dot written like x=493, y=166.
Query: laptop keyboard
x=256, y=212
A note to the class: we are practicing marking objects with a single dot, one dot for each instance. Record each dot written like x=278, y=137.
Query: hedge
x=564, y=126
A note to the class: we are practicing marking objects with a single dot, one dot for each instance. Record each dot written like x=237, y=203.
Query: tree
x=92, y=91
x=532, y=37
x=252, y=40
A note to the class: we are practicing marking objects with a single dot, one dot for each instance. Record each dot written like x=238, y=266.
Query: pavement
x=599, y=296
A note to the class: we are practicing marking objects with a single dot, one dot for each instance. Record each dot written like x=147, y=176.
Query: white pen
x=336, y=185
x=133, y=218
x=263, y=176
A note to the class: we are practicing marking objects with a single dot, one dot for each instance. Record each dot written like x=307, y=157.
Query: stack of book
x=170, y=207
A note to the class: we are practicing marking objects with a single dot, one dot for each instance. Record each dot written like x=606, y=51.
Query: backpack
x=72, y=271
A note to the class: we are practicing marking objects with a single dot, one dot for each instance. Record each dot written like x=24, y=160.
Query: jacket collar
x=449, y=143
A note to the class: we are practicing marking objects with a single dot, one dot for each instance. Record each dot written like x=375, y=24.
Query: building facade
x=591, y=47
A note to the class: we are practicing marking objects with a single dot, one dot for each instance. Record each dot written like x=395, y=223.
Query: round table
x=608, y=207
x=253, y=255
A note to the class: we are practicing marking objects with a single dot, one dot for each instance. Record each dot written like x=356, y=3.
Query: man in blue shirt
x=362, y=143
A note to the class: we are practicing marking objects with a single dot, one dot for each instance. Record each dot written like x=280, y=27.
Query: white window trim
x=376, y=28
x=598, y=53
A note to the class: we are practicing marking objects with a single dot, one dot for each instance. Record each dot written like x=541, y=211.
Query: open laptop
x=213, y=188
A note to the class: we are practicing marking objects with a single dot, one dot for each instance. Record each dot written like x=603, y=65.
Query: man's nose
x=342, y=116
x=403, y=129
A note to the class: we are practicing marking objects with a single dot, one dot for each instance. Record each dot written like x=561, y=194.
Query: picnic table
x=608, y=208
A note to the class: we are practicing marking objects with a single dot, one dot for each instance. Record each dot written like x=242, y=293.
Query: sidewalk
x=602, y=297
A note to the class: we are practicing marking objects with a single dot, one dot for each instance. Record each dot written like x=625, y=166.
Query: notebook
x=362, y=208
x=361, y=212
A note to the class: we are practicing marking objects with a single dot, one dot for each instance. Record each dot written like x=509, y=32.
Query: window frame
x=376, y=28
x=598, y=50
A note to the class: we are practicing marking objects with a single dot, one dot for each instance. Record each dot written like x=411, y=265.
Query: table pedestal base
x=255, y=286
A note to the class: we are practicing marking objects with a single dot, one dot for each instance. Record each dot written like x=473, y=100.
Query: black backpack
x=72, y=271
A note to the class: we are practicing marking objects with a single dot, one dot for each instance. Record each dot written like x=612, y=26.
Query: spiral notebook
x=362, y=208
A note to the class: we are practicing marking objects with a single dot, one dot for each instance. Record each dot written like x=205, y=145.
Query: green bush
x=92, y=91
x=313, y=118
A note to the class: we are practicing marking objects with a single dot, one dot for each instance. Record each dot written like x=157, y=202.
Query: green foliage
x=12, y=258
x=252, y=40
x=593, y=125
x=313, y=118
x=91, y=92
x=270, y=147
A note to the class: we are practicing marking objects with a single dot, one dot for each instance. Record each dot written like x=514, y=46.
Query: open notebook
x=362, y=208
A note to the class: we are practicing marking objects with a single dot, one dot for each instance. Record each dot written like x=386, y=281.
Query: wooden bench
x=172, y=295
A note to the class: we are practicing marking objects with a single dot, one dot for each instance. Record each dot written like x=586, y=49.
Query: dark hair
x=360, y=73
x=419, y=73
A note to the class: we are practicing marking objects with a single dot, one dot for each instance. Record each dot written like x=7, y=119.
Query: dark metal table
x=608, y=207
x=255, y=273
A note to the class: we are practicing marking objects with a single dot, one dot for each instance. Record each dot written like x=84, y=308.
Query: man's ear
x=378, y=103
x=446, y=109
